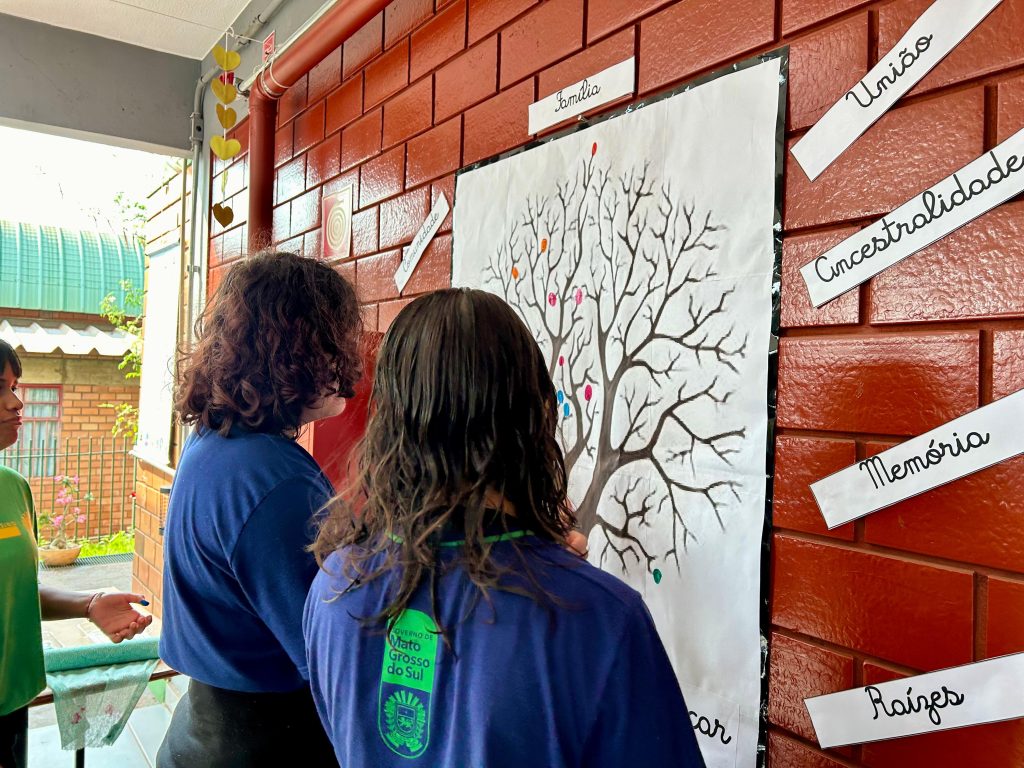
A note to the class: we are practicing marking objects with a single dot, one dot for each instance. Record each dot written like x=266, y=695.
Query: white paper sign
x=413, y=253
x=983, y=692
x=926, y=43
x=960, y=447
x=975, y=189
x=591, y=92
x=159, y=348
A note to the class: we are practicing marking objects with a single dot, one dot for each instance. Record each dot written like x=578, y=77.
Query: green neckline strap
x=507, y=536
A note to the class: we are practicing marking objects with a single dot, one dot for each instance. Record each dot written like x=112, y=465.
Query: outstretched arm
x=111, y=612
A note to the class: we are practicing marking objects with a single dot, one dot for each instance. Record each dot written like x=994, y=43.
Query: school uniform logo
x=407, y=684
x=9, y=531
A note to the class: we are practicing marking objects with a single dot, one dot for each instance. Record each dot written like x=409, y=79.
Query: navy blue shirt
x=236, y=572
x=587, y=683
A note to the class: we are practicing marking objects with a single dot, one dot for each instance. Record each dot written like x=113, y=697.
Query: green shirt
x=21, y=636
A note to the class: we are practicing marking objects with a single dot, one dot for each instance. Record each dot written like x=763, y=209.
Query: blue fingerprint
x=561, y=397
x=565, y=410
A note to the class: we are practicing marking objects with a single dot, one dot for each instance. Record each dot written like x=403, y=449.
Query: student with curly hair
x=277, y=349
x=449, y=626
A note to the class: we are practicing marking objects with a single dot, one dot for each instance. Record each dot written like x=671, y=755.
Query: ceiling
x=184, y=27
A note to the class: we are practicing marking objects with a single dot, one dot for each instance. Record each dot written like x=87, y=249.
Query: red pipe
x=337, y=25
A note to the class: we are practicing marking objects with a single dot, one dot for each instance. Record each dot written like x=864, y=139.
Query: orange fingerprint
x=543, y=245
x=515, y=273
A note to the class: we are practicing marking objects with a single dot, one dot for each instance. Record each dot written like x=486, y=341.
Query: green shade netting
x=96, y=687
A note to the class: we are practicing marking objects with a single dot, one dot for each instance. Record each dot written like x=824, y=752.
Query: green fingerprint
x=657, y=576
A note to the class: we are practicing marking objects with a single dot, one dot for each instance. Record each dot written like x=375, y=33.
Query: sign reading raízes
x=983, y=692
x=965, y=445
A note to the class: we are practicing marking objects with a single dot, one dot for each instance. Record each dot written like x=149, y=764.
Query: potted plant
x=61, y=549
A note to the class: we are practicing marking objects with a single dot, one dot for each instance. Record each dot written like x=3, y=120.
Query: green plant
x=120, y=543
x=68, y=501
x=126, y=316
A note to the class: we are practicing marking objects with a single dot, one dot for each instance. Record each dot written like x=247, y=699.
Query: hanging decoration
x=223, y=87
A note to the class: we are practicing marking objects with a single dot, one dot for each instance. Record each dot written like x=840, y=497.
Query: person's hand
x=577, y=542
x=114, y=615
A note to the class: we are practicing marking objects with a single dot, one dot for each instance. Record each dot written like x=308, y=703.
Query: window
x=35, y=453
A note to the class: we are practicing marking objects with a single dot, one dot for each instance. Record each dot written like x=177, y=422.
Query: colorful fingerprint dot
x=565, y=410
x=561, y=397
x=578, y=296
x=588, y=393
x=657, y=576
x=593, y=149
x=515, y=273
x=552, y=299
x=561, y=359
x=543, y=244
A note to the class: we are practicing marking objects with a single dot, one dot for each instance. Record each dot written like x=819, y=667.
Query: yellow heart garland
x=223, y=91
x=226, y=60
x=227, y=117
x=225, y=149
x=223, y=214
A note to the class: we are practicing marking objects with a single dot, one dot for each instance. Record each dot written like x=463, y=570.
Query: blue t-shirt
x=236, y=571
x=586, y=683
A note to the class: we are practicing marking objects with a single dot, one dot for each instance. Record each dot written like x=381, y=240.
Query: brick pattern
x=150, y=512
x=417, y=94
x=86, y=428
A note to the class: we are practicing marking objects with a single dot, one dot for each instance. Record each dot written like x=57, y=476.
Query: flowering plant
x=68, y=510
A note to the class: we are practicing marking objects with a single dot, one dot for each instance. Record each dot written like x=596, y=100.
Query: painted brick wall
x=422, y=91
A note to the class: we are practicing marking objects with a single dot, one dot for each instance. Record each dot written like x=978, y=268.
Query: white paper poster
x=958, y=448
x=938, y=31
x=589, y=93
x=975, y=189
x=983, y=692
x=159, y=345
x=640, y=251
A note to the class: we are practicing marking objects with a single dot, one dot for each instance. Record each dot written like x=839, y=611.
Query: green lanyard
x=487, y=539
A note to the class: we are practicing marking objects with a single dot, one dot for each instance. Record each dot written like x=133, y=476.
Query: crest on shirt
x=405, y=720
x=407, y=679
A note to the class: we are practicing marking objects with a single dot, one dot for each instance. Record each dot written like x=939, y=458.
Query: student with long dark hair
x=277, y=349
x=449, y=626
x=22, y=600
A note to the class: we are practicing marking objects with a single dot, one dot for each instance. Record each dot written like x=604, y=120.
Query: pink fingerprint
x=552, y=299
x=561, y=359
x=588, y=392
x=579, y=296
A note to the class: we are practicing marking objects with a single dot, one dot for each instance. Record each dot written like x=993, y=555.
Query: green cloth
x=96, y=687
x=21, y=634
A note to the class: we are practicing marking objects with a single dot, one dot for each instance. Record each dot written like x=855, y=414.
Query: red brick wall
x=936, y=581
x=150, y=513
x=108, y=474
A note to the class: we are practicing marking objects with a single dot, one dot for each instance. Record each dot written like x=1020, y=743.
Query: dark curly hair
x=281, y=333
x=464, y=422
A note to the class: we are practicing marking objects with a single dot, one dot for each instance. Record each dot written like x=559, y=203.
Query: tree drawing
x=615, y=275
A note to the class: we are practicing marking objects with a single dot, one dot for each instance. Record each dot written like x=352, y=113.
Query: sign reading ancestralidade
x=975, y=189
x=958, y=448
x=984, y=692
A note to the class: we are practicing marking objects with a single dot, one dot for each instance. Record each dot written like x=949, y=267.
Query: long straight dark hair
x=464, y=420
